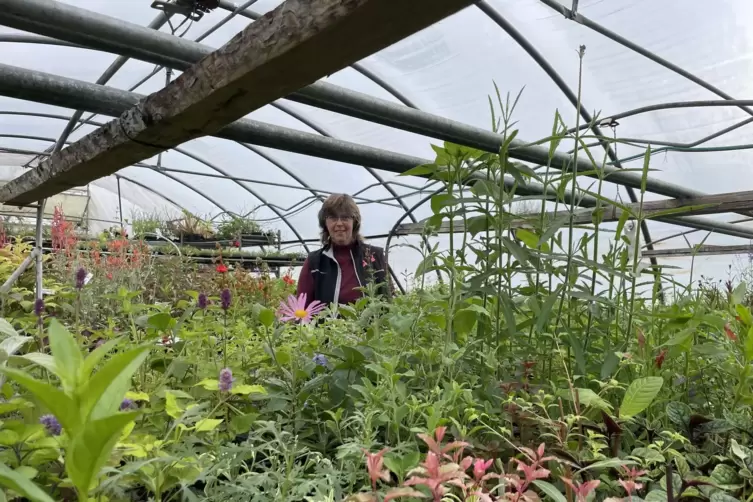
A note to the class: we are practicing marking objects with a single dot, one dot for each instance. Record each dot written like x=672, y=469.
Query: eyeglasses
x=335, y=219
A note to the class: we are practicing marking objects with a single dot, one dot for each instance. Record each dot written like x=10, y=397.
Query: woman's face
x=340, y=229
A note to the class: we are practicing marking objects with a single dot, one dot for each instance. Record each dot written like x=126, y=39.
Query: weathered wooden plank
x=696, y=206
x=288, y=48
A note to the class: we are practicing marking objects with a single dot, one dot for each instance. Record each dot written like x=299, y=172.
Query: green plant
x=87, y=404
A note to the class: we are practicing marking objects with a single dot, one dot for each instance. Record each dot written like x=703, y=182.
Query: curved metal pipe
x=248, y=189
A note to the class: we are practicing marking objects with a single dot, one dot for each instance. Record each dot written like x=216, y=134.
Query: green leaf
x=7, y=329
x=267, y=317
x=720, y=496
x=744, y=313
x=20, y=484
x=68, y=357
x=104, y=392
x=209, y=384
x=609, y=463
x=56, y=401
x=91, y=448
x=518, y=252
x=546, y=309
x=550, y=490
x=44, y=360
x=679, y=414
x=528, y=238
x=245, y=390
x=161, y=321
x=421, y=170
x=465, y=319
x=172, y=407
x=681, y=338
x=207, y=424
x=589, y=398
x=725, y=475
x=640, y=395
x=578, y=351
x=648, y=454
x=656, y=496
x=621, y=224
x=137, y=396
x=12, y=344
x=95, y=357
x=738, y=294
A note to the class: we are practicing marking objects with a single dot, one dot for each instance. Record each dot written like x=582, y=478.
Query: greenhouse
x=374, y=250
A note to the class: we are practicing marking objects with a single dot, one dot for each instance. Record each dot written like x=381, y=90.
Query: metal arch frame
x=248, y=189
x=196, y=190
x=196, y=158
x=544, y=1
x=248, y=13
x=523, y=42
x=152, y=190
x=179, y=53
x=243, y=11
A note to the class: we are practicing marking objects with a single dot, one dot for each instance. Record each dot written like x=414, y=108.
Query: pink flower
x=296, y=310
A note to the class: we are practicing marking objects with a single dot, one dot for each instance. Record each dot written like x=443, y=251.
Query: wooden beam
x=288, y=48
x=698, y=251
x=703, y=205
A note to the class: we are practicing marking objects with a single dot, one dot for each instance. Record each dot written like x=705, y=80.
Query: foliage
x=552, y=363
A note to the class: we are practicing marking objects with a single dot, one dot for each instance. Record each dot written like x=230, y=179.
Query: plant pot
x=257, y=239
x=192, y=238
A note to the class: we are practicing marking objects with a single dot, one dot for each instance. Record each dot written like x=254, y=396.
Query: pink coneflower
x=296, y=310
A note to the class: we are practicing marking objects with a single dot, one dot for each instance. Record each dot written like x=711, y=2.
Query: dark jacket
x=326, y=276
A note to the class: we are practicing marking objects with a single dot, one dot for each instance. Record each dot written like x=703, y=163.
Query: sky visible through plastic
x=448, y=70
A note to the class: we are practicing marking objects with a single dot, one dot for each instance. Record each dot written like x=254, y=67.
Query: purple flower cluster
x=226, y=380
x=39, y=307
x=225, y=299
x=51, y=424
x=320, y=360
x=80, y=277
x=203, y=301
x=127, y=404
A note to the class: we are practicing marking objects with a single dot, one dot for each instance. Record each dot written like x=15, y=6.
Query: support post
x=5, y=288
x=120, y=204
x=38, y=249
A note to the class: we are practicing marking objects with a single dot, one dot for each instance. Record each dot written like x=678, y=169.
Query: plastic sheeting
x=449, y=70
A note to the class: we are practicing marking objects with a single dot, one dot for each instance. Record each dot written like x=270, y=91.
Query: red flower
x=109, y=275
x=730, y=334
x=221, y=268
x=288, y=280
x=660, y=358
x=237, y=244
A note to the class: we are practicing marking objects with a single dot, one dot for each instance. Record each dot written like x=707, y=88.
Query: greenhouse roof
x=650, y=75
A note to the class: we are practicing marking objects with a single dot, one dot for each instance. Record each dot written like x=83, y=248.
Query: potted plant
x=191, y=228
x=146, y=225
x=246, y=231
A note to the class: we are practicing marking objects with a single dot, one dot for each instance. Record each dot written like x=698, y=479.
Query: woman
x=344, y=264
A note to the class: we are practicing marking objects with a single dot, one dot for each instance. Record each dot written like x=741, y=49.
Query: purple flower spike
x=80, y=277
x=225, y=298
x=51, y=424
x=203, y=301
x=39, y=307
x=127, y=404
x=226, y=380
